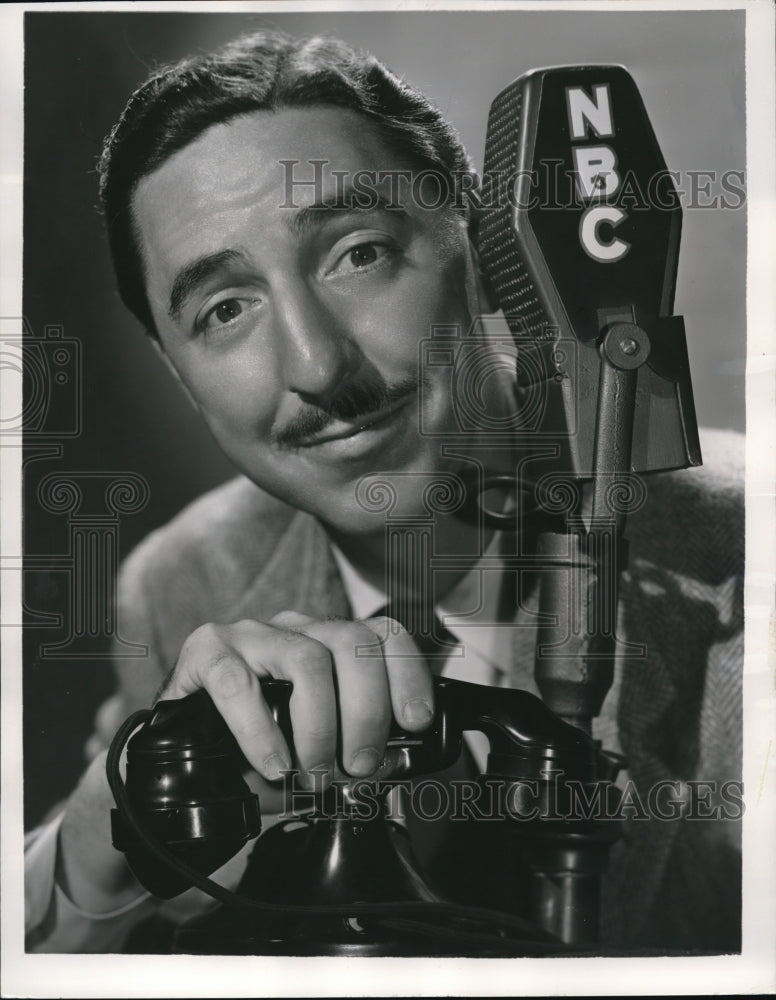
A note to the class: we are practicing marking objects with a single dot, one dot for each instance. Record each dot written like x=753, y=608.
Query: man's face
x=294, y=323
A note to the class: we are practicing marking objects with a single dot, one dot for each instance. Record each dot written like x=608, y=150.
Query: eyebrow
x=342, y=203
x=192, y=275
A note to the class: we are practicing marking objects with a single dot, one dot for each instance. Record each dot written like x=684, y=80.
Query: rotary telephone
x=341, y=881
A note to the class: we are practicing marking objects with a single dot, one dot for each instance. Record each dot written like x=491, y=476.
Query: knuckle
x=361, y=633
x=385, y=627
x=309, y=658
x=227, y=675
x=381, y=620
x=242, y=625
x=206, y=635
x=289, y=618
x=354, y=638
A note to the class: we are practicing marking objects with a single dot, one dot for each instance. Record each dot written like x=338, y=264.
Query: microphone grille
x=499, y=252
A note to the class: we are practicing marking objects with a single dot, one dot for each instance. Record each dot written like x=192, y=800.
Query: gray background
x=80, y=69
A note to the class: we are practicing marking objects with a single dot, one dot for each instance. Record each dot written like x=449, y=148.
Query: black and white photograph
x=388, y=475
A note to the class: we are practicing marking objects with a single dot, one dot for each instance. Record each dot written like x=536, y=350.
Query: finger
x=209, y=659
x=410, y=679
x=362, y=691
x=283, y=653
x=290, y=619
x=308, y=664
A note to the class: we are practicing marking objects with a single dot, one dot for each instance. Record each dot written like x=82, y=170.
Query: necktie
x=434, y=641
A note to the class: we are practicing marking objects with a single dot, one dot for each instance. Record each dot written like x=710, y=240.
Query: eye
x=224, y=313
x=363, y=257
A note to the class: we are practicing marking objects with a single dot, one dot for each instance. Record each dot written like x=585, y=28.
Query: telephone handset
x=342, y=881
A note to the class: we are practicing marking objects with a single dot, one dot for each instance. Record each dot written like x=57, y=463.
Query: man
x=291, y=300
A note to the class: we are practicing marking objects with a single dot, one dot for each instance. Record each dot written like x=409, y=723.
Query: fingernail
x=418, y=711
x=274, y=766
x=365, y=762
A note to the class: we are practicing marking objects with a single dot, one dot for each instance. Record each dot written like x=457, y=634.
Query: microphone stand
x=574, y=665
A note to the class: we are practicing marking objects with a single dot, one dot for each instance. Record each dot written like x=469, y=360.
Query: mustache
x=356, y=400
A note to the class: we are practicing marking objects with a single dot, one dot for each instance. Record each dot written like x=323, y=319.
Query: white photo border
x=754, y=971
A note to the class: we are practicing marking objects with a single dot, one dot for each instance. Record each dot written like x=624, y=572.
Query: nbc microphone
x=579, y=241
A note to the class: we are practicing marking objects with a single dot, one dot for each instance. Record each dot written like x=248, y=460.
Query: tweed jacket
x=675, y=714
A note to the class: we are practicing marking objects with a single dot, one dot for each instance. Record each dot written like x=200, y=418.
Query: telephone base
x=302, y=862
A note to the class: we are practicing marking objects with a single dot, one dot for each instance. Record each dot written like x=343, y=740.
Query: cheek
x=433, y=297
x=235, y=398
x=445, y=296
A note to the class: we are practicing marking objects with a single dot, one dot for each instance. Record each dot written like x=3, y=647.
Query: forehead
x=266, y=162
x=337, y=136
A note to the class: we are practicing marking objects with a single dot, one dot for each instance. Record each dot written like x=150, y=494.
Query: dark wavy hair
x=262, y=71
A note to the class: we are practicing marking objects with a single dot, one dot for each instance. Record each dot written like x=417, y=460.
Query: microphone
x=579, y=239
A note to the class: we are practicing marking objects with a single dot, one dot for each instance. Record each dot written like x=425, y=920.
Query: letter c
x=589, y=238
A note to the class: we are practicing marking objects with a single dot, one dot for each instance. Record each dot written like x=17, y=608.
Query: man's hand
x=350, y=679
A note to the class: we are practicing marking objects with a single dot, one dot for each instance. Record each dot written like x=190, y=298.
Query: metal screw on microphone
x=625, y=346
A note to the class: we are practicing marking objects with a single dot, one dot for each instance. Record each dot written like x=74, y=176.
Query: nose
x=317, y=353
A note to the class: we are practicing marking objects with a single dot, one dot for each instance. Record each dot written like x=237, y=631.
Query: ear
x=165, y=358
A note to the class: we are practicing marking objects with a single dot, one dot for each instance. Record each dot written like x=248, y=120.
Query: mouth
x=369, y=425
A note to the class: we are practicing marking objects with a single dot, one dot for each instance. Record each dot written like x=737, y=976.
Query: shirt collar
x=470, y=606
x=365, y=599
